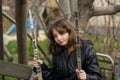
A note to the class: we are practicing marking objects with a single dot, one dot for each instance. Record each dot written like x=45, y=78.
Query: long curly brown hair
x=62, y=26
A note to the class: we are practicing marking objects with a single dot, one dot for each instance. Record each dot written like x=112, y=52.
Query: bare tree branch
x=106, y=10
x=109, y=2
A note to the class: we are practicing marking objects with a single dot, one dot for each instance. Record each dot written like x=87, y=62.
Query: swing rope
x=36, y=55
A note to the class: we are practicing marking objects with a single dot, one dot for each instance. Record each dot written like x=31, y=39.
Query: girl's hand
x=36, y=62
x=81, y=74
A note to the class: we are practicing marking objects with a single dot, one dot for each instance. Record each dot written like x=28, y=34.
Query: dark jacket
x=64, y=65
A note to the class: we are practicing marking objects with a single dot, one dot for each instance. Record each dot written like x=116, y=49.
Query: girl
x=64, y=61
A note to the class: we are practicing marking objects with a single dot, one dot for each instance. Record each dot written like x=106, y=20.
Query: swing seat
x=19, y=71
x=107, y=66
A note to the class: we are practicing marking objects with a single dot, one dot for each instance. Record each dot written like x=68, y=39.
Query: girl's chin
x=62, y=44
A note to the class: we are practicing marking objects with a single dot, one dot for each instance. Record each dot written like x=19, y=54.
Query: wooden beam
x=1, y=35
x=1, y=32
x=21, y=15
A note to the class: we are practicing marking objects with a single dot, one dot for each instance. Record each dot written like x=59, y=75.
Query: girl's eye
x=61, y=32
x=54, y=36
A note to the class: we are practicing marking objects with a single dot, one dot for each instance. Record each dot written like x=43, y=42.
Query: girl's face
x=61, y=38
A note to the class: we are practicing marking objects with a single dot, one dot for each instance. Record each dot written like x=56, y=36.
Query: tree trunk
x=85, y=7
x=65, y=5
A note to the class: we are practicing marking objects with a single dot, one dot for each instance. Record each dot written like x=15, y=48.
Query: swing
x=19, y=71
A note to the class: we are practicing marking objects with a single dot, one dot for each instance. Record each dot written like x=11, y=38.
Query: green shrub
x=99, y=44
x=12, y=47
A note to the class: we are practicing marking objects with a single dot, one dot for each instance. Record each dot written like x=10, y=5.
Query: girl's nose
x=59, y=37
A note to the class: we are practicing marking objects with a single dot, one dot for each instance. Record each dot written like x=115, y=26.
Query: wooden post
x=119, y=68
x=1, y=32
x=1, y=35
x=21, y=15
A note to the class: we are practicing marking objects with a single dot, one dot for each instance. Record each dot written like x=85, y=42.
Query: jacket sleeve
x=91, y=64
x=48, y=73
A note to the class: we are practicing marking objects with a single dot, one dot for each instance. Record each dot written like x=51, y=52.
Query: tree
x=88, y=10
